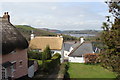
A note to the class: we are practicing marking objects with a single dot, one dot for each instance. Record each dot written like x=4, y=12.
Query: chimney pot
x=6, y=16
x=81, y=39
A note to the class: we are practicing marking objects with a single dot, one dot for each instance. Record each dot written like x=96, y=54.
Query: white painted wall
x=76, y=59
x=61, y=52
x=66, y=53
x=32, y=36
x=71, y=48
x=31, y=71
x=57, y=51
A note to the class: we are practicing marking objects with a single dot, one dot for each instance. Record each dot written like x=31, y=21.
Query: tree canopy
x=111, y=38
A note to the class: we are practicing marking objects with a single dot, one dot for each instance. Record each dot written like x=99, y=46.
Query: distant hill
x=26, y=31
x=51, y=30
x=71, y=31
x=81, y=31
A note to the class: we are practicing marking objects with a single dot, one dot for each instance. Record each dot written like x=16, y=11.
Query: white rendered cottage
x=70, y=46
x=77, y=54
x=55, y=43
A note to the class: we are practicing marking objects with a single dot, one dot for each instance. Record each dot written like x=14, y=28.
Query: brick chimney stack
x=6, y=16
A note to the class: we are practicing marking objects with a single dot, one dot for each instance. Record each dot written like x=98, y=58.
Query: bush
x=35, y=55
x=47, y=52
x=57, y=54
x=91, y=58
x=56, y=59
x=48, y=65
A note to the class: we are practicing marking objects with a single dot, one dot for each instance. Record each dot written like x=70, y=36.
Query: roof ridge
x=47, y=37
x=75, y=48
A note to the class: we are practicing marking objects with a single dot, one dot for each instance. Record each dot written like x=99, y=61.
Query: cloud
x=52, y=0
x=63, y=16
x=53, y=8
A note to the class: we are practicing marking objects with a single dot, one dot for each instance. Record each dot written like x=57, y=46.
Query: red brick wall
x=19, y=55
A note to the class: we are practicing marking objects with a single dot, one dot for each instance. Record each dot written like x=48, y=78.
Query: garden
x=46, y=62
x=80, y=70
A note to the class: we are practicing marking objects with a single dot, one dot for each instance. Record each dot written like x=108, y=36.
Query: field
x=77, y=70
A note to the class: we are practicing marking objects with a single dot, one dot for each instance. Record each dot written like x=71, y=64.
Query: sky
x=57, y=15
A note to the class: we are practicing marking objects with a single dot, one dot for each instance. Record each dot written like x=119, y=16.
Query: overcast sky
x=57, y=15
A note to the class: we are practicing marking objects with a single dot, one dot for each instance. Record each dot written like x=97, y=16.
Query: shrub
x=35, y=55
x=56, y=59
x=48, y=53
x=56, y=54
x=48, y=65
x=91, y=58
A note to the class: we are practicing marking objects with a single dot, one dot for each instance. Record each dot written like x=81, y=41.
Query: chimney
x=81, y=40
x=60, y=35
x=6, y=16
x=32, y=35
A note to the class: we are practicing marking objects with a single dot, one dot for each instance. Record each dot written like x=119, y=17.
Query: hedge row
x=91, y=58
x=48, y=65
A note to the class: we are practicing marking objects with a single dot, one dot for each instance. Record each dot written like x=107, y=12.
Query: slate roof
x=55, y=43
x=11, y=38
x=67, y=46
x=7, y=64
x=76, y=45
x=83, y=48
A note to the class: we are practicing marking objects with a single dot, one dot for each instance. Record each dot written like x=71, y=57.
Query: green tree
x=111, y=38
x=43, y=59
x=46, y=55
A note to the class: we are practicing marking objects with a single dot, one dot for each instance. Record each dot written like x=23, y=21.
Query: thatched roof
x=55, y=43
x=11, y=37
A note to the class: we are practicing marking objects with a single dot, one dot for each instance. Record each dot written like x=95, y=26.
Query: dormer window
x=13, y=51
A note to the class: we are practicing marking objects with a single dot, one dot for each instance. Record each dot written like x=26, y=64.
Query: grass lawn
x=78, y=70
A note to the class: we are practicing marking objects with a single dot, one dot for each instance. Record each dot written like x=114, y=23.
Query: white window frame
x=12, y=67
x=3, y=76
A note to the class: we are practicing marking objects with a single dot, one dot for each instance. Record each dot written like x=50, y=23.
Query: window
x=52, y=52
x=3, y=73
x=80, y=56
x=20, y=63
